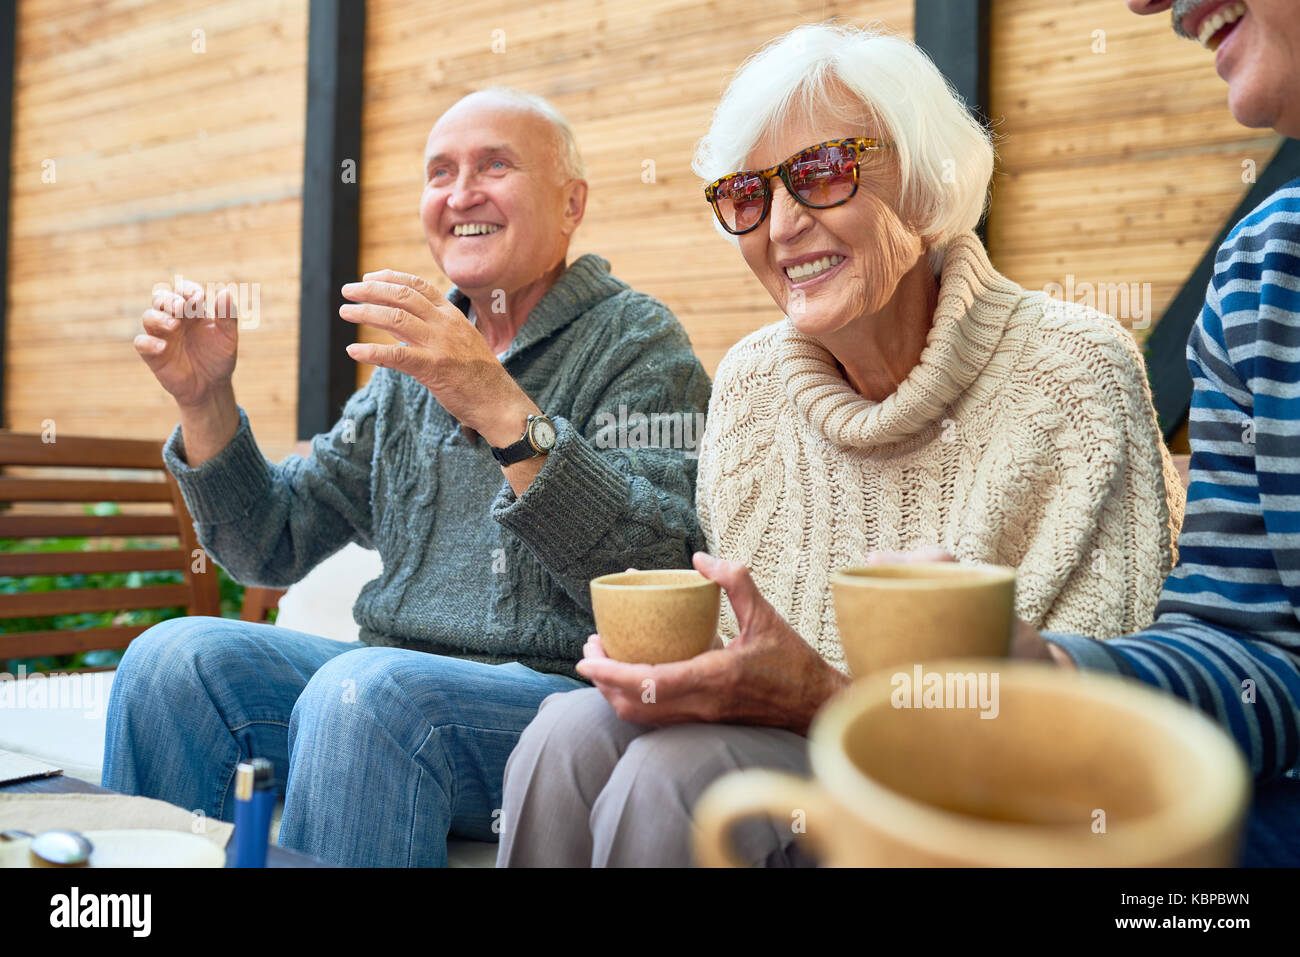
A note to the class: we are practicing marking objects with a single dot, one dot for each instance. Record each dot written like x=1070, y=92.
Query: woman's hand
x=767, y=676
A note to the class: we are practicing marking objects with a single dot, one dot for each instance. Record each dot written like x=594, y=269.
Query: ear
x=575, y=205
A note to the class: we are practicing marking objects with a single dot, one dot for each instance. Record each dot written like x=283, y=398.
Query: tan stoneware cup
x=902, y=613
x=1055, y=768
x=655, y=616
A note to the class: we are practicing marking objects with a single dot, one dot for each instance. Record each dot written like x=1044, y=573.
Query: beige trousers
x=583, y=788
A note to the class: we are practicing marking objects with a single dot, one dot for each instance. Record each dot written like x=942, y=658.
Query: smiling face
x=496, y=210
x=846, y=261
x=1256, y=46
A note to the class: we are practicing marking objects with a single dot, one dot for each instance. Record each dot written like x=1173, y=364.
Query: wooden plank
x=93, y=526
x=57, y=490
x=73, y=601
x=17, y=448
x=148, y=187
x=8, y=32
x=259, y=601
x=200, y=574
x=69, y=641
x=85, y=563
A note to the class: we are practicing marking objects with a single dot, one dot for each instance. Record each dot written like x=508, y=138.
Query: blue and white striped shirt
x=1227, y=630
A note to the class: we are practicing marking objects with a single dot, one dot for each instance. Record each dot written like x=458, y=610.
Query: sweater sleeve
x=269, y=525
x=1101, y=548
x=609, y=496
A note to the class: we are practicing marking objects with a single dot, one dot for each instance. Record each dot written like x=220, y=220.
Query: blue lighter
x=254, y=802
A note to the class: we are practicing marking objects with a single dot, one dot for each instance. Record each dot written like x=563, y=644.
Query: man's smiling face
x=493, y=206
x=1256, y=46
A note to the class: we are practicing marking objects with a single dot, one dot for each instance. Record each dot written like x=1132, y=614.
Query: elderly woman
x=912, y=397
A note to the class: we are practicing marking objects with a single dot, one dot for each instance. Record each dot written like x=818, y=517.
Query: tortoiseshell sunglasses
x=819, y=177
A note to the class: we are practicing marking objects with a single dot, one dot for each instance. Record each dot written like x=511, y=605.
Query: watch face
x=543, y=434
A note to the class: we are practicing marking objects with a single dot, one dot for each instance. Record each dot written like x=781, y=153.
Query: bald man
x=478, y=461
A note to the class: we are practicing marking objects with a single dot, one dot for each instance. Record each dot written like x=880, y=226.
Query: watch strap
x=515, y=452
x=523, y=449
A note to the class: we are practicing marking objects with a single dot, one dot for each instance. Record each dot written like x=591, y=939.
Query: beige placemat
x=16, y=767
x=103, y=812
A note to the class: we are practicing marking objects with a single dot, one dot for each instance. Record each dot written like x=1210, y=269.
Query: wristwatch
x=538, y=439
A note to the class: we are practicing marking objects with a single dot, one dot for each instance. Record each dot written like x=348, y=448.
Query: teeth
x=474, y=229
x=1213, y=24
x=810, y=269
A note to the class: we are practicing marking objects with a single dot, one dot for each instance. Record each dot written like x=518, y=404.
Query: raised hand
x=443, y=352
x=191, y=353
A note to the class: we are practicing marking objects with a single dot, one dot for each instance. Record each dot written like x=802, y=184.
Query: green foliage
x=232, y=597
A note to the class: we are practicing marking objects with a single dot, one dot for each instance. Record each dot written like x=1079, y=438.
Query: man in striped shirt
x=1227, y=630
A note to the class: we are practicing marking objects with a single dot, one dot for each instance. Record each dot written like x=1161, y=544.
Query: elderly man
x=470, y=461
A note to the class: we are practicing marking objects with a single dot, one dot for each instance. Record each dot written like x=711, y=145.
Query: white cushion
x=321, y=604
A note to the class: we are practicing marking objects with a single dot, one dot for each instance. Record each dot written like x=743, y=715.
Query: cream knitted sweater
x=1024, y=436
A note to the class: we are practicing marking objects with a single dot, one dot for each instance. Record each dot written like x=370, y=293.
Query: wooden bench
x=45, y=501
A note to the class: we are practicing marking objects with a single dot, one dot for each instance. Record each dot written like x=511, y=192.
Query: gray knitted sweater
x=469, y=569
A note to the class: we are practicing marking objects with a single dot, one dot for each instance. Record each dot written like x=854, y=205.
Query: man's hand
x=767, y=676
x=191, y=354
x=443, y=352
x=1028, y=644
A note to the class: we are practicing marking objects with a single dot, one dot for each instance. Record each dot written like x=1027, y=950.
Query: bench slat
x=90, y=526
x=27, y=448
x=71, y=601
x=82, y=490
x=69, y=641
x=84, y=563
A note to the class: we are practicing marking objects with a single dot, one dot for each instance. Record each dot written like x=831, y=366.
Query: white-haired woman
x=912, y=398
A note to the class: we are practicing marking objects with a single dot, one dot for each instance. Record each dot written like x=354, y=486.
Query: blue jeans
x=380, y=752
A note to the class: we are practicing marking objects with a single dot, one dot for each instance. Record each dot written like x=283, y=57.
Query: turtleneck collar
x=581, y=287
x=975, y=302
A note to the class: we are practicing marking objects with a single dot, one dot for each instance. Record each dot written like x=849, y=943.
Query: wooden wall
x=637, y=81
x=165, y=161
x=1118, y=159
x=1115, y=166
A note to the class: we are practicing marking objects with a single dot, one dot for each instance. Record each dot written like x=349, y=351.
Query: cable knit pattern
x=1024, y=436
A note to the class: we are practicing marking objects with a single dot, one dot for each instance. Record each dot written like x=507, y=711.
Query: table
x=62, y=784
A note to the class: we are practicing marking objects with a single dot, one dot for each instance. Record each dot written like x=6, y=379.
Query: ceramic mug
x=1054, y=768
x=907, y=612
x=655, y=616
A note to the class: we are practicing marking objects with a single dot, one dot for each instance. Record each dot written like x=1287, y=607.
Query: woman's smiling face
x=847, y=260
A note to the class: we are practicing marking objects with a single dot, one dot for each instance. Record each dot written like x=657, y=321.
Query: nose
x=464, y=194
x=788, y=218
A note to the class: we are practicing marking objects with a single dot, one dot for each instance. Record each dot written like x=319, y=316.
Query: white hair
x=945, y=154
x=571, y=166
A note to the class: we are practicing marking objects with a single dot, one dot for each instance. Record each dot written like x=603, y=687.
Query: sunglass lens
x=823, y=176
x=740, y=201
